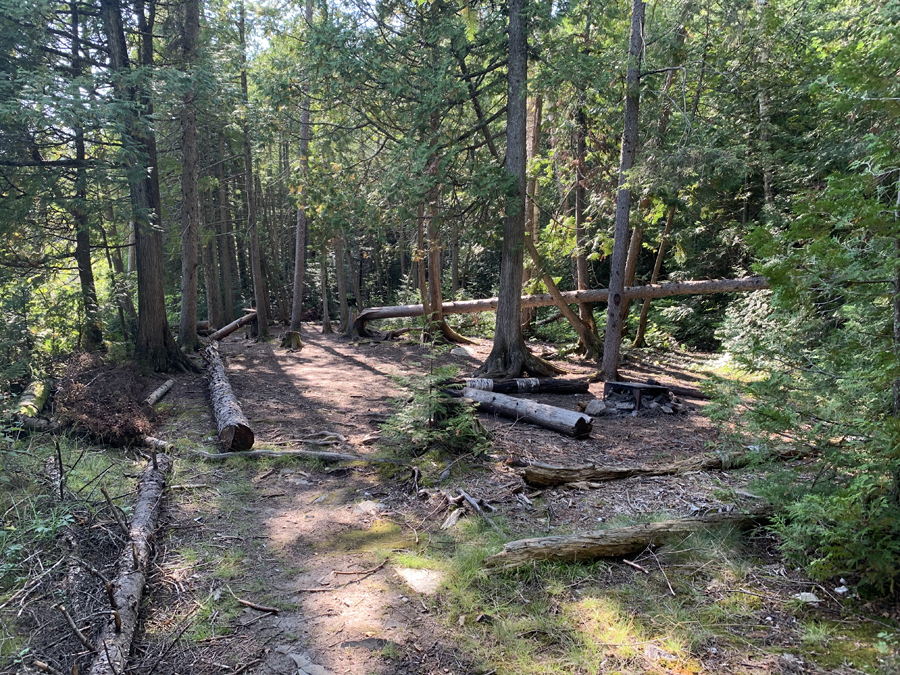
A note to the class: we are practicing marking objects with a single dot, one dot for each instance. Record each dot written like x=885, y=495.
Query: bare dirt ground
x=313, y=539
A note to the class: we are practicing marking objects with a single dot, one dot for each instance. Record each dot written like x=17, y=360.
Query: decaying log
x=225, y=331
x=528, y=385
x=115, y=640
x=615, y=542
x=548, y=474
x=316, y=454
x=157, y=395
x=157, y=444
x=33, y=399
x=545, y=300
x=564, y=421
x=234, y=429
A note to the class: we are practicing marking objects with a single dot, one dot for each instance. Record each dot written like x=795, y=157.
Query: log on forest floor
x=115, y=640
x=225, y=331
x=527, y=385
x=310, y=454
x=548, y=474
x=614, y=542
x=157, y=395
x=234, y=429
x=564, y=421
x=545, y=300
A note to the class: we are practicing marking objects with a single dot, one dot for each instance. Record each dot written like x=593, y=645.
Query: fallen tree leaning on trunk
x=225, y=331
x=528, y=385
x=115, y=640
x=564, y=421
x=545, y=300
x=548, y=474
x=615, y=542
x=234, y=429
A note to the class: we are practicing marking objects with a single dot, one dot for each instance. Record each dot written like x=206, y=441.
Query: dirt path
x=326, y=544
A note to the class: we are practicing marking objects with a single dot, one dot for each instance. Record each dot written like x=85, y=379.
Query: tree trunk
x=226, y=243
x=420, y=260
x=612, y=543
x=340, y=271
x=155, y=348
x=210, y=256
x=654, y=277
x=259, y=289
x=585, y=312
x=634, y=251
x=435, y=297
x=300, y=247
x=509, y=357
x=190, y=177
x=234, y=429
x=323, y=278
x=225, y=331
x=613, y=337
x=564, y=421
x=532, y=215
x=545, y=300
x=454, y=260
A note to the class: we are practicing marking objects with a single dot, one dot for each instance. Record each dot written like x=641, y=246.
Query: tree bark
x=568, y=422
x=340, y=271
x=226, y=243
x=234, y=429
x=585, y=312
x=634, y=251
x=654, y=277
x=509, y=357
x=115, y=640
x=613, y=338
x=323, y=278
x=300, y=248
x=531, y=385
x=259, y=288
x=613, y=543
x=532, y=214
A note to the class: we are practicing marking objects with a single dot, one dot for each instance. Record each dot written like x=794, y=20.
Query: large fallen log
x=545, y=300
x=564, y=421
x=115, y=640
x=615, y=542
x=548, y=474
x=528, y=385
x=234, y=429
x=225, y=331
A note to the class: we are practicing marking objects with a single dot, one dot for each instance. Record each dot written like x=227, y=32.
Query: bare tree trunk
x=613, y=338
x=765, y=117
x=532, y=215
x=420, y=260
x=323, y=277
x=190, y=177
x=454, y=260
x=340, y=271
x=634, y=251
x=354, y=275
x=259, y=292
x=300, y=248
x=226, y=242
x=585, y=311
x=509, y=356
x=435, y=297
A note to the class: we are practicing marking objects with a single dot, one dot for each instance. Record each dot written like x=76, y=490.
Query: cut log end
x=237, y=437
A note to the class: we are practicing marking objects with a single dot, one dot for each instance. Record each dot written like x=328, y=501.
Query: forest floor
x=365, y=580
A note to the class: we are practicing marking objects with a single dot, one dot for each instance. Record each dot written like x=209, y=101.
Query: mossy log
x=128, y=586
x=291, y=340
x=234, y=429
x=225, y=331
x=33, y=399
x=614, y=542
x=564, y=421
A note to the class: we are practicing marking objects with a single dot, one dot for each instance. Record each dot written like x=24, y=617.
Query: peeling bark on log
x=157, y=395
x=564, y=421
x=225, y=331
x=615, y=542
x=528, y=385
x=234, y=429
x=548, y=474
x=115, y=640
x=545, y=300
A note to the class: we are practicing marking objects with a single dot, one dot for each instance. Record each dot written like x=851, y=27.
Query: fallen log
x=117, y=634
x=564, y=421
x=33, y=399
x=234, y=429
x=548, y=474
x=572, y=297
x=615, y=542
x=225, y=331
x=158, y=393
x=528, y=385
x=327, y=456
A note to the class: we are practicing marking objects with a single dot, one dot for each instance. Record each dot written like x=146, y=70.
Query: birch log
x=564, y=421
x=115, y=640
x=225, y=331
x=612, y=543
x=157, y=395
x=234, y=429
x=529, y=385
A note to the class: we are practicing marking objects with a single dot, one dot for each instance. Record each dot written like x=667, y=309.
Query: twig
x=253, y=605
x=81, y=638
x=636, y=566
x=62, y=472
x=247, y=665
x=46, y=667
x=371, y=571
x=171, y=644
x=671, y=590
x=314, y=590
x=474, y=504
x=115, y=511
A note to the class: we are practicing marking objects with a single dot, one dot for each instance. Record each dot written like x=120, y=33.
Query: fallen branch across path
x=548, y=474
x=225, y=331
x=327, y=456
x=564, y=421
x=615, y=542
x=234, y=429
x=115, y=640
x=572, y=297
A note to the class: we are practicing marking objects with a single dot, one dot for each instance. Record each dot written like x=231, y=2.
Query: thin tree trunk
x=634, y=251
x=454, y=260
x=585, y=311
x=226, y=241
x=259, y=291
x=420, y=260
x=121, y=287
x=765, y=117
x=654, y=277
x=323, y=278
x=613, y=338
x=190, y=176
x=532, y=220
x=300, y=246
x=340, y=271
x=435, y=297
x=355, y=274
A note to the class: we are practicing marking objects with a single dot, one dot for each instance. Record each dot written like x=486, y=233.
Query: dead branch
x=157, y=395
